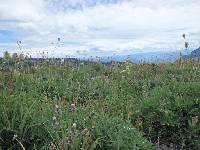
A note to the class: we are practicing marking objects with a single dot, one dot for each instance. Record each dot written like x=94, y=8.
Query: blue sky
x=98, y=27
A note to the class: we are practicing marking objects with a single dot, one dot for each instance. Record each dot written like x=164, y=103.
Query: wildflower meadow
x=55, y=104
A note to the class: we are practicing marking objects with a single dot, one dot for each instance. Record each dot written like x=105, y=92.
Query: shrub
x=115, y=133
x=171, y=115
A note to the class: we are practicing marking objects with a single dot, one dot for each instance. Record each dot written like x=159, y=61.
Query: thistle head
x=73, y=107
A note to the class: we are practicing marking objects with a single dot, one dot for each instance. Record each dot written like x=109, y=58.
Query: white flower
x=74, y=125
x=54, y=118
x=14, y=137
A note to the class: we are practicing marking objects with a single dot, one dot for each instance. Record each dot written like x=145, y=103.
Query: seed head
x=86, y=135
x=73, y=107
x=52, y=146
x=85, y=132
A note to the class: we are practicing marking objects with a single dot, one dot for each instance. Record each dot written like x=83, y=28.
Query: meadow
x=50, y=104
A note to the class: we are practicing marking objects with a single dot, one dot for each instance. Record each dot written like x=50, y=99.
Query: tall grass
x=50, y=104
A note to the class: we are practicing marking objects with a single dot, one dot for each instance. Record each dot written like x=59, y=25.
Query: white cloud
x=109, y=26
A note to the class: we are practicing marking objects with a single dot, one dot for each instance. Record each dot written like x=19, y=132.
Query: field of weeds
x=53, y=104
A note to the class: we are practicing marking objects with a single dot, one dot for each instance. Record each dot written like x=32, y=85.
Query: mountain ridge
x=195, y=54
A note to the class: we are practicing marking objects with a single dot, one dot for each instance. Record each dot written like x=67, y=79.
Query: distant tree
x=6, y=55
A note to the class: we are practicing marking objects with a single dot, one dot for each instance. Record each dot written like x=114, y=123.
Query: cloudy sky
x=98, y=27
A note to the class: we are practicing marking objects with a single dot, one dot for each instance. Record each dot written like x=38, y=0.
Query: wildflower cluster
x=57, y=116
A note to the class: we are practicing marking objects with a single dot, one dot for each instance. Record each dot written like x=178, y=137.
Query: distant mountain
x=150, y=57
x=194, y=54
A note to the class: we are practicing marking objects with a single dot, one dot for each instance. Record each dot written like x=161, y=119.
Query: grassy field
x=84, y=106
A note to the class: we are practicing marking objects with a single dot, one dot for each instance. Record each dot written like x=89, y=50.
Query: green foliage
x=6, y=55
x=115, y=133
x=171, y=114
x=160, y=101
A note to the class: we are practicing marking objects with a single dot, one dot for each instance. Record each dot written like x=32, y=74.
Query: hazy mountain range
x=149, y=57
x=155, y=57
x=194, y=54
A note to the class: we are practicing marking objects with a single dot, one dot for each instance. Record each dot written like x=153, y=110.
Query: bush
x=171, y=115
x=115, y=133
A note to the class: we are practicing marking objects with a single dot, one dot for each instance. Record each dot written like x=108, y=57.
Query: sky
x=97, y=27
